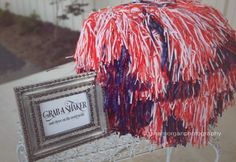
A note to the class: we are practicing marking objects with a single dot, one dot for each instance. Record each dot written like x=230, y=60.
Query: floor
x=9, y=118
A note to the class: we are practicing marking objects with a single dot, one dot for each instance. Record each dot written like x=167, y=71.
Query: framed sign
x=61, y=114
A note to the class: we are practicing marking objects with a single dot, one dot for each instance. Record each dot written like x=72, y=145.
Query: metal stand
x=113, y=149
x=215, y=143
x=168, y=153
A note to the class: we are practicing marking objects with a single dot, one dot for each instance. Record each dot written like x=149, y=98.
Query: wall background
x=47, y=12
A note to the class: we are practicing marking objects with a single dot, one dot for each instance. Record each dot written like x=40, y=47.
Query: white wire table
x=113, y=148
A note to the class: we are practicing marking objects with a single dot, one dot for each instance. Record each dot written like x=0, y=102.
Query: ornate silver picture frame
x=60, y=114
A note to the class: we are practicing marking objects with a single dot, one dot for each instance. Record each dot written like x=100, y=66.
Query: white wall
x=227, y=8
x=47, y=12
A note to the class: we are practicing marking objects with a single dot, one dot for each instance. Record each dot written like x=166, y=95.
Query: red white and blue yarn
x=164, y=66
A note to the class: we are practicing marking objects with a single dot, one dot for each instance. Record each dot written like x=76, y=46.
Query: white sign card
x=65, y=114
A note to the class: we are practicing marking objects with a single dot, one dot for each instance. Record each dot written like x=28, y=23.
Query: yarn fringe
x=164, y=67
